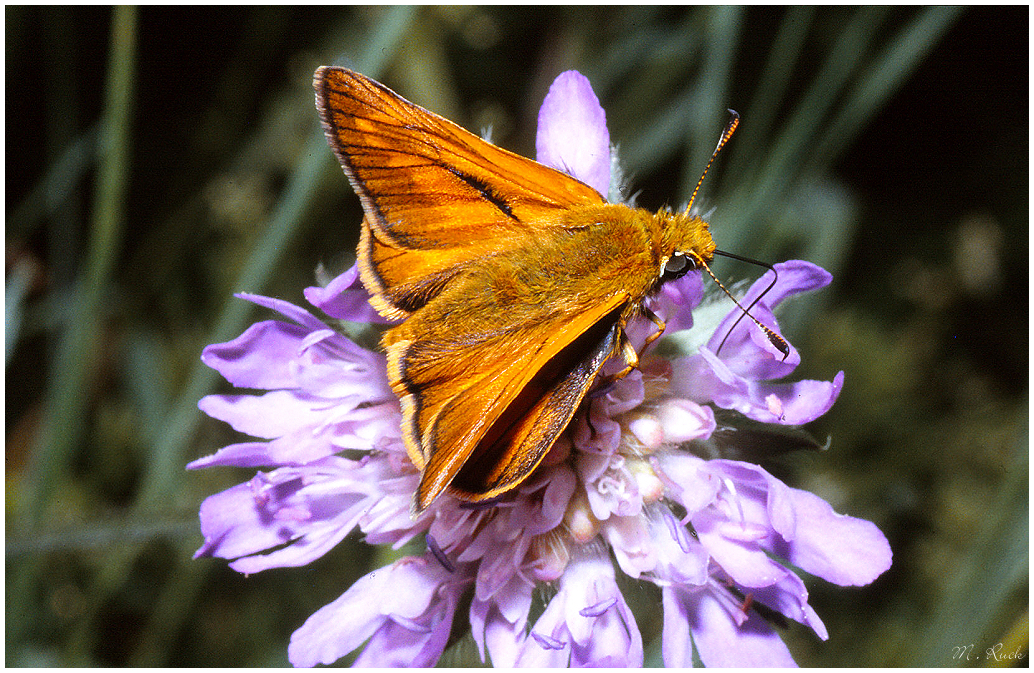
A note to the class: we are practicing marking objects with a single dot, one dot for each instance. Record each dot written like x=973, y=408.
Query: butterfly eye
x=677, y=266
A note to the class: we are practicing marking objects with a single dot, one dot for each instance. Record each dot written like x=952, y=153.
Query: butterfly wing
x=488, y=371
x=482, y=429
x=436, y=196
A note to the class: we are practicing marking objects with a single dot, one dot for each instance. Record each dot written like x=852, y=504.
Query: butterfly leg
x=656, y=320
x=623, y=346
x=627, y=351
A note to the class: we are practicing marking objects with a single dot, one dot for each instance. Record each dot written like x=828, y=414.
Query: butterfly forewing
x=534, y=421
x=515, y=282
x=429, y=187
x=485, y=408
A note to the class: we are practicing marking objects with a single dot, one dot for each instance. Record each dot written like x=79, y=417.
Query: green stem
x=76, y=357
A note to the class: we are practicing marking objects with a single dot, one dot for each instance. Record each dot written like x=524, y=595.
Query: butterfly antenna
x=776, y=340
x=730, y=128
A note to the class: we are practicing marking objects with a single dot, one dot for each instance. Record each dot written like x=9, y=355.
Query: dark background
x=888, y=145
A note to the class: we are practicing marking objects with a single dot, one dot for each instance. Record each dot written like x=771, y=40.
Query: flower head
x=626, y=487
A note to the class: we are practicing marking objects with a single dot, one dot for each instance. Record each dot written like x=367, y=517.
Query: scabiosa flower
x=641, y=482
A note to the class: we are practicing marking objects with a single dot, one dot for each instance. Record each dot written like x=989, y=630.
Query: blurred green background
x=160, y=159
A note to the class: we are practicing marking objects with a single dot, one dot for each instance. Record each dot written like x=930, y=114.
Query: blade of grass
x=879, y=82
x=656, y=141
x=706, y=117
x=783, y=159
x=995, y=569
x=56, y=185
x=646, y=143
x=16, y=288
x=73, y=367
x=165, y=468
x=776, y=75
x=823, y=243
x=178, y=595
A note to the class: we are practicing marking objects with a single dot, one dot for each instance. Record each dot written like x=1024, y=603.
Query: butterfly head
x=687, y=244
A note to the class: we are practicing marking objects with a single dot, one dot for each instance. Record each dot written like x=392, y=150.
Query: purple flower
x=626, y=482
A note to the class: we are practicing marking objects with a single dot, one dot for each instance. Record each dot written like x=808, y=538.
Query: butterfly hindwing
x=480, y=411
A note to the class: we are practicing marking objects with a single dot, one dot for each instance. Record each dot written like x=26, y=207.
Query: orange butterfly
x=514, y=282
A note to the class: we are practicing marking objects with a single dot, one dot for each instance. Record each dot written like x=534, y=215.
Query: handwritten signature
x=993, y=653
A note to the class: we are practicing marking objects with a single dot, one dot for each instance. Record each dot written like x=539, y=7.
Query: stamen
x=678, y=531
x=432, y=546
x=315, y=337
x=734, y=497
x=599, y=608
x=547, y=642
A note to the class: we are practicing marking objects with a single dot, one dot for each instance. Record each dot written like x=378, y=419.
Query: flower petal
x=675, y=301
x=271, y=415
x=260, y=357
x=233, y=525
x=632, y=543
x=687, y=479
x=405, y=588
x=588, y=622
x=273, y=354
x=789, y=597
x=783, y=403
x=601, y=636
x=722, y=643
x=416, y=643
x=744, y=561
x=542, y=649
x=681, y=559
x=838, y=548
x=247, y=454
x=683, y=420
x=572, y=131
x=747, y=350
x=299, y=513
x=676, y=644
x=345, y=298
x=795, y=403
x=491, y=629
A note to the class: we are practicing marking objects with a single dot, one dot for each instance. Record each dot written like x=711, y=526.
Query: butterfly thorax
x=615, y=230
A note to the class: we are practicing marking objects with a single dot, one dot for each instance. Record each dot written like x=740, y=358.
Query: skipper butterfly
x=513, y=281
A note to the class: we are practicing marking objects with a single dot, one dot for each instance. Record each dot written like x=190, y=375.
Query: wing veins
x=444, y=465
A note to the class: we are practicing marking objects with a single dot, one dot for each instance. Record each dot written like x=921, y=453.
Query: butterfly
x=513, y=282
